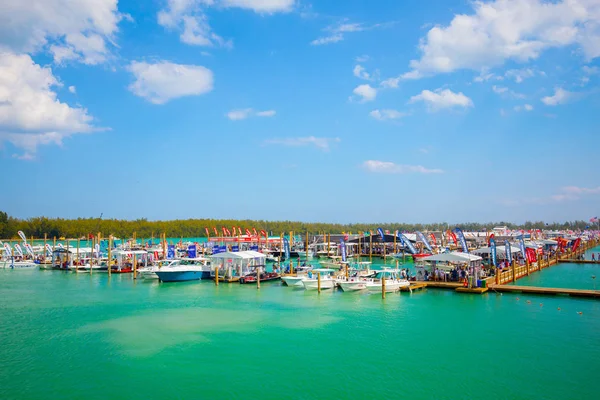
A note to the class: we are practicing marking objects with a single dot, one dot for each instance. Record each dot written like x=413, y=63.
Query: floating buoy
x=528, y=301
x=541, y=304
x=558, y=308
x=579, y=312
x=517, y=299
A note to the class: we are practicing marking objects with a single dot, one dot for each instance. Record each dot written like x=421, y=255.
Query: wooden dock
x=579, y=261
x=476, y=290
x=414, y=286
x=547, y=291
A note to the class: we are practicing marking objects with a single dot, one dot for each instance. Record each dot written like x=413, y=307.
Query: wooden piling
x=383, y=286
x=514, y=276
x=319, y=282
x=306, y=248
x=134, y=262
x=44, y=252
x=217, y=275
x=77, y=264
x=258, y=276
x=110, y=239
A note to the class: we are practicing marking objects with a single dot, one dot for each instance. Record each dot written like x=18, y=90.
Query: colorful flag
x=406, y=243
x=425, y=241
x=343, y=250
x=493, y=252
x=462, y=240
x=380, y=231
x=508, y=251
x=22, y=235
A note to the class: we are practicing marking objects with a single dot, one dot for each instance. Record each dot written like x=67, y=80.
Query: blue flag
x=425, y=241
x=380, y=231
x=343, y=250
x=406, y=243
x=235, y=247
x=170, y=252
x=286, y=248
x=493, y=252
x=461, y=239
x=508, y=252
x=191, y=250
x=522, y=246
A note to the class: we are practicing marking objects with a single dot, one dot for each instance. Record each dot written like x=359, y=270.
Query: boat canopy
x=249, y=254
x=453, y=257
x=500, y=250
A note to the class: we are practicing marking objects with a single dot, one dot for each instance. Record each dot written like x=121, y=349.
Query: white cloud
x=383, y=115
x=387, y=167
x=590, y=70
x=266, y=113
x=336, y=32
x=505, y=92
x=525, y=107
x=502, y=30
x=363, y=58
x=261, y=6
x=243, y=113
x=30, y=112
x=519, y=75
x=72, y=89
x=163, y=81
x=442, y=99
x=560, y=96
x=569, y=193
x=360, y=72
x=390, y=83
x=72, y=30
x=189, y=18
x=319, y=142
x=366, y=92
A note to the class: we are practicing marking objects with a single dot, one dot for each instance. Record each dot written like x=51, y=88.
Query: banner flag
x=425, y=241
x=286, y=248
x=508, y=252
x=380, y=231
x=493, y=252
x=343, y=250
x=406, y=243
x=461, y=239
x=191, y=250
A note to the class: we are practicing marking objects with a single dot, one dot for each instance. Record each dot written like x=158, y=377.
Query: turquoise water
x=566, y=275
x=74, y=336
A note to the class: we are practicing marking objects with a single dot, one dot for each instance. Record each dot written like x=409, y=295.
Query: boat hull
x=352, y=286
x=179, y=276
x=313, y=284
x=293, y=280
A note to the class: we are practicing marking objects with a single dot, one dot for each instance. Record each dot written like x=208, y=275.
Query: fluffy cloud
x=519, y=75
x=71, y=30
x=164, y=81
x=525, y=107
x=30, y=112
x=360, y=72
x=366, y=92
x=503, y=30
x=560, y=96
x=72, y=89
x=336, y=33
x=322, y=143
x=243, y=113
x=392, y=168
x=505, y=92
x=383, y=115
x=189, y=18
x=442, y=99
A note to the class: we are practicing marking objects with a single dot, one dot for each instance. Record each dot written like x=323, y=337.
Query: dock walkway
x=544, y=290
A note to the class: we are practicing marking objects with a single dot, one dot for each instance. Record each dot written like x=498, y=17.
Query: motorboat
x=11, y=264
x=191, y=269
x=312, y=281
x=264, y=277
x=392, y=281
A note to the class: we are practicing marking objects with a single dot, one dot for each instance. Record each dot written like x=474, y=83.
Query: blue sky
x=301, y=110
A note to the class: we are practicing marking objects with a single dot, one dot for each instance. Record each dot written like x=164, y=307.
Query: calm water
x=74, y=336
x=567, y=275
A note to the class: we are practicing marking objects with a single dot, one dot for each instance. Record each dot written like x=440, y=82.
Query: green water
x=567, y=275
x=74, y=336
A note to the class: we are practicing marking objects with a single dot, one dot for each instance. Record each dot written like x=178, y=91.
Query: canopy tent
x=453, y=257
x=237, y=263
x=500, y=250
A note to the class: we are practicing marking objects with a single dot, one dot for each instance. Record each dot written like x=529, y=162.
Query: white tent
x=500, y=250
x=453, y=257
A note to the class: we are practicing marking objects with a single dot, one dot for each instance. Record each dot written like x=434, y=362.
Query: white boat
x=294, y=280
x=392, y=282
x=186, y=269
x=353, y=284
x=312, y=282
x=9, y=264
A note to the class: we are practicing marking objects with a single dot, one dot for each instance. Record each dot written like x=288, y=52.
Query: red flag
x=216, y=233
x=433, y=239
x=254, y=230
x=264, y=234
x=531, y=256
x=248, y=232
x=206, y=229
x=491, y=236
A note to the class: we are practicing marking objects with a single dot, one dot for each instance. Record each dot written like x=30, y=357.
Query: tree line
x=72, y=228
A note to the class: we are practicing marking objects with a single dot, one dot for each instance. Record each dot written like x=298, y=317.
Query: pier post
x=258, y=276
x=527, y=265
x=77, y=264
x=383, y=286
x=109, y=262
x=514, y=275
x=370, y=246
x=497, y=276
x=134, y=262
x=347, y=271
x=217, y=275
x=44, y=253
x=318, y=282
